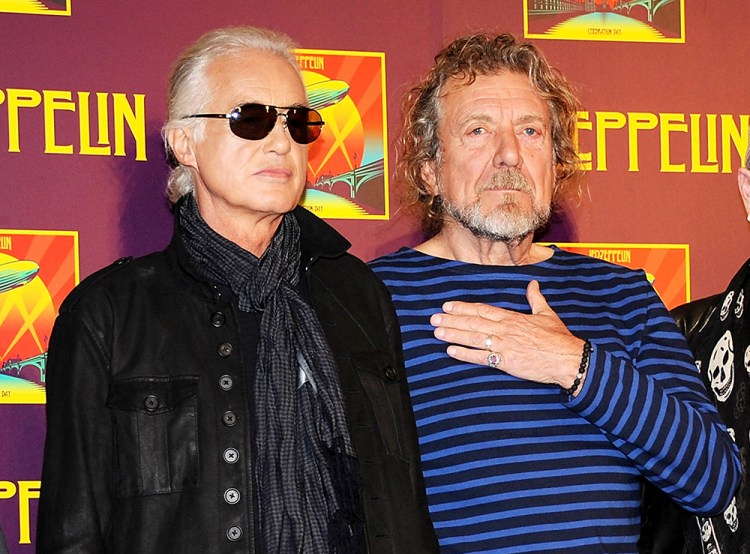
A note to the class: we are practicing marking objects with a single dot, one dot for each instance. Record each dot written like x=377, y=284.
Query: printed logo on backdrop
x=37, y=271
x=685, y=142
x=38, y=7
x=347, y=172
x=605, y=20
x=667, y=266
x=74, y=122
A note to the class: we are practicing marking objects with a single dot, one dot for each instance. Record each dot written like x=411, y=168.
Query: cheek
x=219, y=153
x=542, y=172
x=301, y=159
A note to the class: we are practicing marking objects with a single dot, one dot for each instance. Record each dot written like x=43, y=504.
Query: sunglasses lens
x=304, y=124
x=253, y=121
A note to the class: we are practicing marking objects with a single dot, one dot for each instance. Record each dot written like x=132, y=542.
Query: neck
x=253, y=233
x=255, y=237
x=457, y=243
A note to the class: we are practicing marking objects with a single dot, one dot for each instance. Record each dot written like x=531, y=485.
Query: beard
x=507, y=221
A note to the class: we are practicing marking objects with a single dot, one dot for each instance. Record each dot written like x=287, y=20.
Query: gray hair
x=188, y=93
x=464, y=59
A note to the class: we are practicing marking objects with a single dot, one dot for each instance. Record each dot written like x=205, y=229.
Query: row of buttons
x=229, y=418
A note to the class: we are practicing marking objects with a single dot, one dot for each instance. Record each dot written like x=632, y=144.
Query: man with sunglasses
x=243, y=390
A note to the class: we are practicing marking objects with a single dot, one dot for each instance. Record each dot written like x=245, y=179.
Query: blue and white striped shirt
x=513, y=466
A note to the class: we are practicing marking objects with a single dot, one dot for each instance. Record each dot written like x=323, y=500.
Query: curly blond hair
x=464, y=59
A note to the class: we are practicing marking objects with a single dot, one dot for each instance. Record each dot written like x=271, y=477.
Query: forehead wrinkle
x=532, y=118
x=262, y=103
x=478, y=117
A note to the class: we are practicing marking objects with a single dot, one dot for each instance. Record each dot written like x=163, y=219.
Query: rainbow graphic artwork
x=347, y=174
x=606, y=20
x=37, y=271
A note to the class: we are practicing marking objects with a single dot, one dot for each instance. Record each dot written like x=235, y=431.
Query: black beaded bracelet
x=581, y=369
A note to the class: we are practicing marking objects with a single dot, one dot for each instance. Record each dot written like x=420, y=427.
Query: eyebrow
x=531, y=118
x=485, y=118
x=476, y=118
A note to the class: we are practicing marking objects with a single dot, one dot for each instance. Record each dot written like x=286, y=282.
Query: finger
x=474, y=308
x=536, y=299
x=467, y=338
x=470, y=355
x=461, y=322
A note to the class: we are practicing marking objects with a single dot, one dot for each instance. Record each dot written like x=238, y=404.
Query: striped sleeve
x=515, y=466
x=655, y=410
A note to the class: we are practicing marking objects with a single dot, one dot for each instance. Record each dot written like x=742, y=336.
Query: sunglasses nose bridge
x=285, y=115
x=274, y=115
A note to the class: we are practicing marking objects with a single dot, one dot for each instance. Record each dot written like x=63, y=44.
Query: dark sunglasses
x=256, y=121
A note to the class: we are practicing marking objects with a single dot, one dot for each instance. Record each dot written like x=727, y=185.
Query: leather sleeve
x=74, y=507
x=695, y=315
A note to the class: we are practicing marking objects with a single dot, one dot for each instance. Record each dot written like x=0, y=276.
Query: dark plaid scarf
x=306, y=472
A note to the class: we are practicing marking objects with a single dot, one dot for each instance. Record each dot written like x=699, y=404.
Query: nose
x=278, y=139
x=507, y=150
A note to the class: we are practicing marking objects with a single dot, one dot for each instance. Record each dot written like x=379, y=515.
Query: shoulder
x=593, y=266
x=344, y=272
x=347, y=295
x=404, y=260
x=119, y=279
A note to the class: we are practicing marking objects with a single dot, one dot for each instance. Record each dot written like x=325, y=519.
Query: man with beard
x=565, y=383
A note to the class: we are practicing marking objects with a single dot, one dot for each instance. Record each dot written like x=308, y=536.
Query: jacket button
x=225, y=349
x=229, y=419
x=226, y=382
x=390, y=373
x=218, y=319
x=231, y=456
x=151, y=402
x=231, y=496
x=234, y=533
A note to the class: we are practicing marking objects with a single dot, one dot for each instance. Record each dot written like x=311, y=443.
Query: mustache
x=507, y=180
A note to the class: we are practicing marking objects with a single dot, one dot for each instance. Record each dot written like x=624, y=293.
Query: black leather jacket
x=148, y=419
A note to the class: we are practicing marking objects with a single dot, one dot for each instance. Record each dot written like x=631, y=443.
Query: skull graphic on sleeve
x=730, y=516
x=726, y=305
x=721, y=367
x=739, y=306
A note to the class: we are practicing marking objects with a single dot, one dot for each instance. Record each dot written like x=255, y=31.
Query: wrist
x=575, y=387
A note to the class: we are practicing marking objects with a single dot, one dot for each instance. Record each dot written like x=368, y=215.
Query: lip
x=274, y=173
x=502, y=190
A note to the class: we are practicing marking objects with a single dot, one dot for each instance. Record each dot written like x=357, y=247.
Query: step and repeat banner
x=664, y=85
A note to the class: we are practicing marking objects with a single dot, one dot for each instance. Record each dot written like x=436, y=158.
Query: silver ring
x=493, y=360
x=488, y=342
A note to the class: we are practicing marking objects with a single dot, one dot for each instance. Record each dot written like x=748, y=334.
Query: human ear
x=429, y=177
x=743, y=180
x=181, y=144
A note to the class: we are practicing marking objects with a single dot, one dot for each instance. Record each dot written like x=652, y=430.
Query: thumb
x=536, y=299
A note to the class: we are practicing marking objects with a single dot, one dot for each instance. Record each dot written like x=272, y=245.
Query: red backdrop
x=680, y=95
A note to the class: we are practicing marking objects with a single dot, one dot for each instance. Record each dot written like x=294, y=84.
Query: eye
x=476, y=131
x=530, y=131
